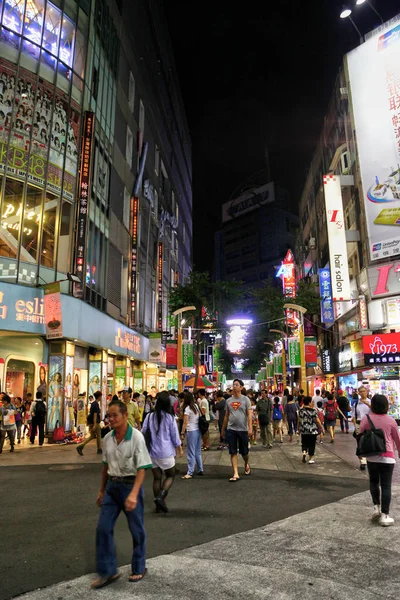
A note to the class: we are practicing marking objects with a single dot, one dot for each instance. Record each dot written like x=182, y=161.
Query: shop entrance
x=20, y=378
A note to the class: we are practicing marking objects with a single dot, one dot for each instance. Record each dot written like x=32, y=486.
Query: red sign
x=172, y=354
x=160, y=286
x=310, y=347
x=134, y=232
x=382, y=348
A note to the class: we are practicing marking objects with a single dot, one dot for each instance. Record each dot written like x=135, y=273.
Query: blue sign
x=325, y=291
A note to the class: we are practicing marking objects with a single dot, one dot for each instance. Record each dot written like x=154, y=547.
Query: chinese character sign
x=325, y=291
x=382, y=349
x=294, y=352
x=187, y=355
x=310, y=349
x=278, y=365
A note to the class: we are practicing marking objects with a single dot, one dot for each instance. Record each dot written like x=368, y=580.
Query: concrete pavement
x=330, y=552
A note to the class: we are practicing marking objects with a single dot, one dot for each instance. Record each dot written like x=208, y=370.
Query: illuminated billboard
x=340, y=280
x=374, y=72
x=236, y=336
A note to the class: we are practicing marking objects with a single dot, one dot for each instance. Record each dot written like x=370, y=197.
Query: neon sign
x=160, y=285
x=382, y=349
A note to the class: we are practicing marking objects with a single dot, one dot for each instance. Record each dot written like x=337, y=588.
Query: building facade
x=95, y=180
x=353, y=185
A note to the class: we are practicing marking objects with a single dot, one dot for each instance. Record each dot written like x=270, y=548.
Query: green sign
x=187, y=355
x=278, y=365
x=270, y=370
x=294, y=352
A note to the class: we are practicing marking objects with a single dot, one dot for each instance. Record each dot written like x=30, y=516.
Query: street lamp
x=345, y=14
x=369, y=4
x=178, y=313
x=302, y=311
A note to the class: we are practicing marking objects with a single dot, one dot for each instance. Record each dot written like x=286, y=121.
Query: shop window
x=127, y=208
x=20, y=378
x=49, y=229
x=31, y=223
x=64, y=243
x=11, y=218
x=129, y=147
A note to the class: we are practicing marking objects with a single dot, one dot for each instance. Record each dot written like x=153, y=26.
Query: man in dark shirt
x=38, y=413
x=219, y=406
x=93, y=421
x=344, y=406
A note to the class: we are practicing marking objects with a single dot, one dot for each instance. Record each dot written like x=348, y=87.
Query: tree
x=213, y=301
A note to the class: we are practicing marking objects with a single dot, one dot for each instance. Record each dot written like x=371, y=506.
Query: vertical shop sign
x=270, y=370
x=325, y=291
x=210, y=360
x=172, y=354
x=187, y=355
x=278, y=364
x=53, y=311
x=294, y=352
x=138, y=381
x=160, y=286
x=310, y=348
x=134, y=235
x=83, y=203
x=337, y=239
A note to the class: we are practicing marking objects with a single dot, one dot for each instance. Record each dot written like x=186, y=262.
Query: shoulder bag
x=372, y=441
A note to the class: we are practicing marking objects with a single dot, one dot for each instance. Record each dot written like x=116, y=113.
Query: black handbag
x=203, y=424
x=372, y=441
x=147, y=435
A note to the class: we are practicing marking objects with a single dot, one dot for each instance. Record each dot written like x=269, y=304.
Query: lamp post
x=346, y=14
x=302, y=311
x=178, y=313
x=284, y=338
x=371, y=6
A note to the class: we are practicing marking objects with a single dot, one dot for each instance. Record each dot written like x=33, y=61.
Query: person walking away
x=125, y=461
x=291, y=416
x=38, y=411
x=308, y=427
x=254, y=420
x=27, y=419
x=316, y=398
x=264, y=410
x=331, y=410
x=164, y=442
x=277, y=418
x=237, y=423
x=93, y=420
x=148, y=405
x=285, y=397
x=344, y=406
x=7, y=423
x=18, y=417
x=205, y=410
x=219, y=408
x=321, y=417
x=190, y=427
x=181, y=408
x=132, y=407
x=381, y=466
x=360, y=408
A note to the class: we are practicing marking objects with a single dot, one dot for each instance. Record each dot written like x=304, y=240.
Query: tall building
x=257, y=229
x=95, y=181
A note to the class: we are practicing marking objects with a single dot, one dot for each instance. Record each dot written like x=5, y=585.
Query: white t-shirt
x=359, y=410
x=127, y=457
x=315, y=399
x=204, y=404
x=193, y=422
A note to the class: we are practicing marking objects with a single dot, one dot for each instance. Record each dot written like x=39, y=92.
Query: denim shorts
x=238, y=438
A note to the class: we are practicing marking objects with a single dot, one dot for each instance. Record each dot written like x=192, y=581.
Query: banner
x=294, y=352
x=138, y=381
x=187, y=355
x=310, y=349
x=325, y=291
x=55, y=398
x=270, y=369
x=337, y=239
x=278, y=365
x=157, y=353
x=376, y=108
x=52, y=311
x=381, y=348
x=172, y=354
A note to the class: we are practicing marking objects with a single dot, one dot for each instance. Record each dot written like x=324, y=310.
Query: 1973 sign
x=382, y=348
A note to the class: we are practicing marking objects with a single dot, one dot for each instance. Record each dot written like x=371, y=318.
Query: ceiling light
x=346, y=12
x=360, y=2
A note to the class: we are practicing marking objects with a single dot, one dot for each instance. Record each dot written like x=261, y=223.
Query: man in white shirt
x=361, y=408
x=205, y=409
x=316, y=397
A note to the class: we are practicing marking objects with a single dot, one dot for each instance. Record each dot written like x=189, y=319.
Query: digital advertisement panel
x=55, y=400
x=376, y=106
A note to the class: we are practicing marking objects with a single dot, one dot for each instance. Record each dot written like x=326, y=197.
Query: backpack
x=330, y=412
x=40, y=409
x=277, y=413
x=372, y=441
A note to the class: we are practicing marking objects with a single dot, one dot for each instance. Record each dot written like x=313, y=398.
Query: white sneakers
x=311, y=461
x=385, y=520
x=377, y=513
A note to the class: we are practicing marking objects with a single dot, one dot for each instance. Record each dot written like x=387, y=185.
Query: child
x=321, y=417
x=277, y=416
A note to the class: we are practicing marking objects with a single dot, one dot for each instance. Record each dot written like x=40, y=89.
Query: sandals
x=248, y=471
x=138, y=576
x=101, y=582
x=187, y=476
x=234, y=479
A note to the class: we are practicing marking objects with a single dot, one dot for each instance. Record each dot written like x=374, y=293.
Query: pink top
x=390, y=429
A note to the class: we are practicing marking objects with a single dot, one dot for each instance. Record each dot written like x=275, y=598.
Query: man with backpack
x=264, y=410
x=277, y=418
x=38, y=412
x=331, y=411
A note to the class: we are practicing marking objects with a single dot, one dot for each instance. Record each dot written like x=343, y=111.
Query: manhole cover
x=66, y=467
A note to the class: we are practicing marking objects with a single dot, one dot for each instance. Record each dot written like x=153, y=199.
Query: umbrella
x=202, y=382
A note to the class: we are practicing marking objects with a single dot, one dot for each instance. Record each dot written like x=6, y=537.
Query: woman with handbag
x=380, y=465
x=162, y=443
x=191, y=415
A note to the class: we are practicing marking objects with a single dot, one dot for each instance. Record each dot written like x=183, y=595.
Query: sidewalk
x=331, y=552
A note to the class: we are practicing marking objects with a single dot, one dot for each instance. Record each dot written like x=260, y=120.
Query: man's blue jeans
x=113, y=503
x=193, y=451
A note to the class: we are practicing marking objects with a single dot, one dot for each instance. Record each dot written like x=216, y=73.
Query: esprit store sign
x=384, y=279
x=337, y=239
x=382, y=348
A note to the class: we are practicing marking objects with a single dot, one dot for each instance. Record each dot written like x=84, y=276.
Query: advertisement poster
x=310, y=349
x=55, y=400
x=120, y=378
x=278, y=366
x=42, y=380
x=138, y=381
x=172, y=354
x=157, y=352
x=94, y=377
x=53, y=311
x=294, y=352
x=376, y=106
x=69, y=417
x=104, y=389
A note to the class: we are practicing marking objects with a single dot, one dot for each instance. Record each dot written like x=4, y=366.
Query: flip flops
x=101, y=582
x=138, y=575
x=234, y=479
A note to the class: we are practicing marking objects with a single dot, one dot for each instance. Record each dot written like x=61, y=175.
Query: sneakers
x=377, y=513
x=385, y=520
x=304, y=456
x=311, y=461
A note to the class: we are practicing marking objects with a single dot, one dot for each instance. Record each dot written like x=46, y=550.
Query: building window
x=132, y=87
x=127, y=209
x=141, y=117
x=124, y=286
x=157, y=160
x=129, y=147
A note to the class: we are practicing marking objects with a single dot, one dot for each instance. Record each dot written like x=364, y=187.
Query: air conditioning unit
x=312, y=243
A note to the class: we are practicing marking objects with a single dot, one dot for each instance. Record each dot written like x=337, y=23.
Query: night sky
x=256, y=79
